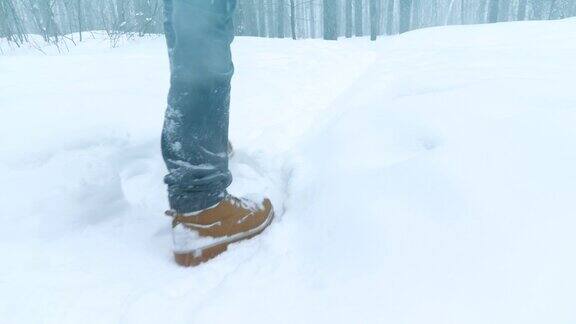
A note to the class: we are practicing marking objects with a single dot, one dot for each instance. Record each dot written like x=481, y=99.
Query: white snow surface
x=422, y=178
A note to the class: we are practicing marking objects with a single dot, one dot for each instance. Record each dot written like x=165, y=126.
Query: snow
x=423, y=178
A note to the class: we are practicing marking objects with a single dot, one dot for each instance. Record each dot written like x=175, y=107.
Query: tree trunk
x=449, y=13
x=280, y=19
x=493, y=9
x=463, y=12
x=251, y=18
x=555, y=11
x=504, y=13
x=416, y=14
x=348, y=10
x=270, y=18
x=312, y=20
x=79, y=11
x=390, y=17
x=405, y=11
x=522, y=10
x=481, y=14
x=537, y=9
x=330, y=19
x=358, y=23
x=261, y=19
x=49, y=26
x=293, y=19
x=11, y=24
x=374, y=19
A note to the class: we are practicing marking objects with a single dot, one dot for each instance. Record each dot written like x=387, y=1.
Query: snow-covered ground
x=424, y=178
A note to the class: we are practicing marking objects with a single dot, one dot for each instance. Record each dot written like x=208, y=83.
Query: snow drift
x=424, y=178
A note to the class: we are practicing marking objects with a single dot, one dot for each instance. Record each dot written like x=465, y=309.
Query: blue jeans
x=195, y=134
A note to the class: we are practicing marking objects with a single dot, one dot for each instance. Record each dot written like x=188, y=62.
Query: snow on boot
x=230, y=150
x=203, y=235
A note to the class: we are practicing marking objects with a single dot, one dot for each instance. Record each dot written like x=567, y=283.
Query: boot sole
x=199, y=256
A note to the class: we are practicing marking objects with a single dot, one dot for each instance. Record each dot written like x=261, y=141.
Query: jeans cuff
x=188, y=202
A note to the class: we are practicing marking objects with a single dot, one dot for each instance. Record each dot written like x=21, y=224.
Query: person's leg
x=205, y=219
x=168, y=27
x=195, y=135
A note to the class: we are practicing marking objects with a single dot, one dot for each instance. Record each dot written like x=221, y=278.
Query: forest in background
x=70, y=20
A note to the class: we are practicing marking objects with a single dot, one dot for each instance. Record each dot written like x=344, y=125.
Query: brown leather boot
x=201, y=236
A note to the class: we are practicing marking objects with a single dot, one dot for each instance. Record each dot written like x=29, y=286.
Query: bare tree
x=280, y=19
x=330, y=19
x=390, y=17
x=560, y=9
x=11, y=24
x=312, y=19
x=293, y=19
x=481, y=12
x=504, y=11
x=348, y=10
x=463, y=12
x=374, y=19
x=56, y=20
x=358, y=21
x=450, y=11
x=493, y=10
x=405, y=11
x=522, y=9
x=416, y=4
x=261, y=19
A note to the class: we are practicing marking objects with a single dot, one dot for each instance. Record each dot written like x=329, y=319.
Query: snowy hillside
x=423, y=178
